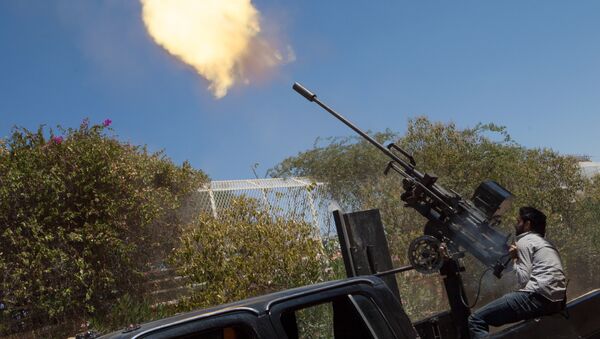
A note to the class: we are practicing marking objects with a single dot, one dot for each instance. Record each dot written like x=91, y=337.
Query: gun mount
x=460, y=223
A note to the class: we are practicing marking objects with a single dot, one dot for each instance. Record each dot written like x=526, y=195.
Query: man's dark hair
x=535, y=217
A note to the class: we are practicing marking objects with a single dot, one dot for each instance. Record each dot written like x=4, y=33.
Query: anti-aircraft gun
x=458, y=222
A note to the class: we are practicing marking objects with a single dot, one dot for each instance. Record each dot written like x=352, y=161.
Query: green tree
x=245, y=252
x=461, y=158
x=584, y=245
x=81, y=216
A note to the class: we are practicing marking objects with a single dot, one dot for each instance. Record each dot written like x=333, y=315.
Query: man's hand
x=444, y=251
x=513, y=251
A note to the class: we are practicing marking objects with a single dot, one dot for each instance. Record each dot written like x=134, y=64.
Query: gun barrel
x=310, y=96
x=313, y=97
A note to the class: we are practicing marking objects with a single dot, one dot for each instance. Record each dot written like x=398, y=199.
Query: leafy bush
x=246, y=252
x=81, y=216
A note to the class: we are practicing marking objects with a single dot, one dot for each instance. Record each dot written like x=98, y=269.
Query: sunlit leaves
x=247, y=252
x=81, y=214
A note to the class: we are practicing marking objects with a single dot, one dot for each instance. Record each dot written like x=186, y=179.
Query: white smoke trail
x=220, y=39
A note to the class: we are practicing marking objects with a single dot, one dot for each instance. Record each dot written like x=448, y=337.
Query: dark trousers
x=510, y=308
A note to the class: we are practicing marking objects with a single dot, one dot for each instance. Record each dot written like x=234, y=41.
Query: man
x=540, y=278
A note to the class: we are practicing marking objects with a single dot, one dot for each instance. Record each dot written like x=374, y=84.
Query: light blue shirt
x=538, y=267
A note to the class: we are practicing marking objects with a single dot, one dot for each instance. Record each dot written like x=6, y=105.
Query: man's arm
x=522, y=263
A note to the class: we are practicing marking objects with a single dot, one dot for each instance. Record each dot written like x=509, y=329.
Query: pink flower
x=107, y=123
x=57, y=140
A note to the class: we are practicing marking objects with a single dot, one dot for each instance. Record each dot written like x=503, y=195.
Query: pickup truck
x=360, y=307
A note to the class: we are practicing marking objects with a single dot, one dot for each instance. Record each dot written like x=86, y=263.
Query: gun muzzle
x=304, y=92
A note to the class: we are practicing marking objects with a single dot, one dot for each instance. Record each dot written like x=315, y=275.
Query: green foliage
x=247, y=252
x=461, y=158
x=81, y=215
x=584, y=243
x=128, y=310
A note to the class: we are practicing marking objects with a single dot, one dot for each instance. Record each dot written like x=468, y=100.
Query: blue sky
x=532, y=68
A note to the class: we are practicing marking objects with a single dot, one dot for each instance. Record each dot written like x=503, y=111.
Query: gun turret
x=461, y=223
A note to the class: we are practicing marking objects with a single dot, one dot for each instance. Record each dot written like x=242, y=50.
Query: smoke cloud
x=221, y=40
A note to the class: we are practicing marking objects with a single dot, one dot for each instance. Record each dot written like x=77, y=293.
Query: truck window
x=348, y=316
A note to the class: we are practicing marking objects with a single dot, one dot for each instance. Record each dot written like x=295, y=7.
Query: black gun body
x=485, y=243
x=467, y=229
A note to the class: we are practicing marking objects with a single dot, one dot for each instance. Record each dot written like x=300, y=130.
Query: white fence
x=291, y=197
